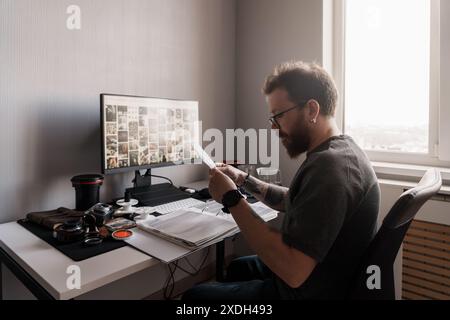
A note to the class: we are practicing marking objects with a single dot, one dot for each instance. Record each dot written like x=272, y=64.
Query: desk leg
x=36, y=289
x=1, y=281
x=220, y=260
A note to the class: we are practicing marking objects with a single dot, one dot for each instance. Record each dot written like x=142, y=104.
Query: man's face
x=293, y=128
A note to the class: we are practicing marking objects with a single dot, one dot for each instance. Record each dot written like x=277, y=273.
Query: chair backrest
x=383, y=249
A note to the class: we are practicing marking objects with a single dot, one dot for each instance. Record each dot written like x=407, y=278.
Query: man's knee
x=190, y=294
x=197, y=292
x=207, y=291
x=240, y=269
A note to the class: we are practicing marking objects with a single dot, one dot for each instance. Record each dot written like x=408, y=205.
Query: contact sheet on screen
x=142, y=131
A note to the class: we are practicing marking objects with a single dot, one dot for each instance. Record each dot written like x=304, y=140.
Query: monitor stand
x=142, y=180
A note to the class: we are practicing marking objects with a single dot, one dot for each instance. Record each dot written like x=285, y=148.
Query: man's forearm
x=267, y=243
x=272, y=195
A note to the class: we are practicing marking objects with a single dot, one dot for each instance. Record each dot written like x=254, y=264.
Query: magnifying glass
x=92, y=240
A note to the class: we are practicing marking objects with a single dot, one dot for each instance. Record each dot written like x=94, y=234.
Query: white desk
x=48, y=266
x=43, y=269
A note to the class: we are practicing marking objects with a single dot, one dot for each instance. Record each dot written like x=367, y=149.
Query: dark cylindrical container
x=69, y=231
x=87, y=190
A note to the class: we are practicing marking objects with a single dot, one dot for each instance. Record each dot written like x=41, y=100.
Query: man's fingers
x=213, y=171
x=222, y=169
x=216, y=173
x=220, y=165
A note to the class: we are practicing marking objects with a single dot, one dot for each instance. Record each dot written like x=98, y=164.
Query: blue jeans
x=247, y=278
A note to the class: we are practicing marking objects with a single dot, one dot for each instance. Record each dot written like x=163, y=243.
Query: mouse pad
x=76, y=251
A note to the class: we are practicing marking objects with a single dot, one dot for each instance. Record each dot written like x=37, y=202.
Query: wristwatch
x=230, y=199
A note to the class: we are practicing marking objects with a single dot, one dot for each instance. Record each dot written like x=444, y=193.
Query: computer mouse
x=204, y=193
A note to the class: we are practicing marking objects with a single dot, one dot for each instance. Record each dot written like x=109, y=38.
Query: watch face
x=231, y=198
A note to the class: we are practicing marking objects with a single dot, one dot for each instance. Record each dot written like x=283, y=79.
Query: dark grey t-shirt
x=331, y=216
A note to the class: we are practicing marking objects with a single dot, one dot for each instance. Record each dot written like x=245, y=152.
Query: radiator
x=426, y=262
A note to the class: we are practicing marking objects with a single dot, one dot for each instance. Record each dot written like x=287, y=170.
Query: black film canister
x=87, y=190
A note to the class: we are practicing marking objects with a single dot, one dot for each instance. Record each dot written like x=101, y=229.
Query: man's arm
x=272, y=195
x=291, y=265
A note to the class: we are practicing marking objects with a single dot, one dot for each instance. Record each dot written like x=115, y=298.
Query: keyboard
x=177, y=205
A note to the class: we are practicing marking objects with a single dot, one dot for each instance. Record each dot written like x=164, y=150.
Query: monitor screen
x=142, y=132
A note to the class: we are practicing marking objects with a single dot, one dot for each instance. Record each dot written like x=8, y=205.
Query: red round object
x=122, y=234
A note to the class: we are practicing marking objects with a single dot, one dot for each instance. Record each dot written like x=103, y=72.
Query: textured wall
x=51, y=78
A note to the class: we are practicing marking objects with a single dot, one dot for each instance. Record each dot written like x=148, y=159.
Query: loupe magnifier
x=92, y=236
x=92, y=240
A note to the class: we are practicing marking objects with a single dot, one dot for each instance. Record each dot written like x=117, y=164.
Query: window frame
x=336, y=64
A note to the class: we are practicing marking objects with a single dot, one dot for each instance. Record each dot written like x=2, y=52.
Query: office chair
x=383, y=249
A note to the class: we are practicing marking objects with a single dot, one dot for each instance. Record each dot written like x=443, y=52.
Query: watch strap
x=235, y=196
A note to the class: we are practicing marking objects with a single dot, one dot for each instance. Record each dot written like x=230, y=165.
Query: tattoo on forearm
x=254, y=186
x=274, y=195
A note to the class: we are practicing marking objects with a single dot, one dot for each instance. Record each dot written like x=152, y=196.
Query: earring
x=313, y=121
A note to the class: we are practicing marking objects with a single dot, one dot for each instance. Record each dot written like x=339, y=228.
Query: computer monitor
x=144, y=133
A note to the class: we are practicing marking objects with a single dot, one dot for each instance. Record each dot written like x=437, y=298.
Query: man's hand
x=219, y=184
x=235, y=174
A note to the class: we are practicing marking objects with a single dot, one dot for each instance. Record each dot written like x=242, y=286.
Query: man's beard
x=297, y=143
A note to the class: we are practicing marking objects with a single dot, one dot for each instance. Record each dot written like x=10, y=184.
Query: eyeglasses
x=273, y=119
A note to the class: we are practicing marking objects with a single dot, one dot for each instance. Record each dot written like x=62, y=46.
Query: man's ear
x=313, y=110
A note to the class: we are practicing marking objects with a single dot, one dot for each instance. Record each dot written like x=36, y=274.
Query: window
x=387, y=68
x=387, y=56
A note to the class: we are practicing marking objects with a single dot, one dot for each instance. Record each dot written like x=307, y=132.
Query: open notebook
x=193, y=227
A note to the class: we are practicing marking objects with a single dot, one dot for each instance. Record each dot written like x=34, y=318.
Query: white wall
x=51, y=79
x=270, y=32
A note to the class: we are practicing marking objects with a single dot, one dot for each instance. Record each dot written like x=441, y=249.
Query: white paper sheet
x=205, y=157
x=167, y=251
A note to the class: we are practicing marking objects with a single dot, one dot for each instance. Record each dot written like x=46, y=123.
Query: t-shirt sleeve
x=317, y=212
